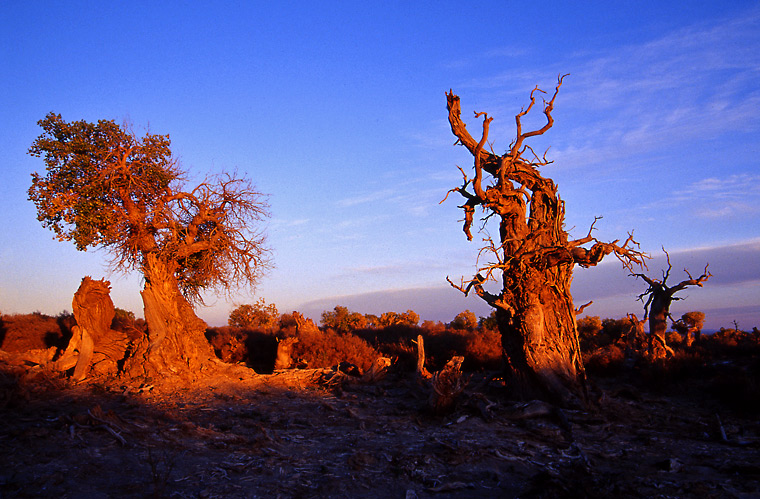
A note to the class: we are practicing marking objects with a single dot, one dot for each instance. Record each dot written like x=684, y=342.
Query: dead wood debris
x=445, y=385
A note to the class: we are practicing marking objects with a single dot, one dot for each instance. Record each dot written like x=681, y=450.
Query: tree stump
x=93, y=343
x=445, y=385
x=284, y=352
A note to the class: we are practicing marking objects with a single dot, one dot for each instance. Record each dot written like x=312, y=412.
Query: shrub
x=589, y=328
x=433, y=327
x=408, y=318
x=24, y=332
x=327, y=348
x=483, y=350
x=395, y=342
x=673, y=339
x=606, y=360
x=258, y=349
x=125, y=321
x=342, y=320
x=464, y=320
x=256, y=316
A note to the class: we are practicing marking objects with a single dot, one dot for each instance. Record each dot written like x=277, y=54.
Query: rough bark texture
x=175, y=343
x=533, y=256
x=93, y=345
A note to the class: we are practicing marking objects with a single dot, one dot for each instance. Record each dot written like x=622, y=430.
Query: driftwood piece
x=94, y=343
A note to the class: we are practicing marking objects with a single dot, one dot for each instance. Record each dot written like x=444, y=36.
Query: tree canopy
x=106, y=187
x=257, y=315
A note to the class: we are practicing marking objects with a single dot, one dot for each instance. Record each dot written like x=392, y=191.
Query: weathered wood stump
x=94, y=345
x=445, y=385
x=284, y=352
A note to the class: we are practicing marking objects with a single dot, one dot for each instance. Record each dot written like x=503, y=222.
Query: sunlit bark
x=533, y=258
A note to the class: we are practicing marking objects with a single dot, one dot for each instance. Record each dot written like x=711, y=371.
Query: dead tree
x=634, y=337
x=533, y=256
x=445, y=385
x=657, y=306
x=93, y=343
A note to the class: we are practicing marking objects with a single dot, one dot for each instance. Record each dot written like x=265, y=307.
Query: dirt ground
x=263, y=437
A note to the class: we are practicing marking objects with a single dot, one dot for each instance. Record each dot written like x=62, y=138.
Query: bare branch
x=548, y=108
x=579, y=310
x=477, y=182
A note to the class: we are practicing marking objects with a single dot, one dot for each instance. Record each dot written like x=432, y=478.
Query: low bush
x=604, y=361
x=24, y=332
x=327, y=348
x=258, y=349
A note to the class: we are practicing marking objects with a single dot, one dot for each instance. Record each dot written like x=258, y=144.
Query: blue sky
x=337, y=111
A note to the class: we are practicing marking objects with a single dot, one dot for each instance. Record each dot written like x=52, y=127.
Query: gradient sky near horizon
x=337, y=111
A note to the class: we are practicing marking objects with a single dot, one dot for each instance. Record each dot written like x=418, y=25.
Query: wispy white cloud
x=694, y=83
x=722, y=197
x=367, y=197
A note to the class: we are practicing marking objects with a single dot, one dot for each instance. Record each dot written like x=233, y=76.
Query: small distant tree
x=342, y=320
x=373, y=321
x=659, y=296
x=434, y=327
x=104, y=187
x=690, y=326
x=259, y=315
x=408, y=318
x=465, y=321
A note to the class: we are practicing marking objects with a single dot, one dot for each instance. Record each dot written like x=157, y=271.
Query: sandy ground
x=262, y=437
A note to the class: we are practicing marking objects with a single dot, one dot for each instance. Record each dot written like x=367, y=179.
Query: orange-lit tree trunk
x=175, y=343
x=533, y=259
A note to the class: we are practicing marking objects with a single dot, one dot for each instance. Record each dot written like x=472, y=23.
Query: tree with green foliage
x=408, y=318
x=259, y=315
x=342, y=320
x=690, y=326
x=489, y=323
x=107, y=188
x=465, y=321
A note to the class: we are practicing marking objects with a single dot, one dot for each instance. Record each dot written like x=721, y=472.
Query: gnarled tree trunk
x=93, y=345
x=540, y=344
x=534, y=309
x=175, y=343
